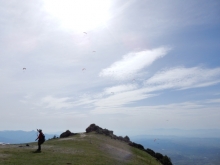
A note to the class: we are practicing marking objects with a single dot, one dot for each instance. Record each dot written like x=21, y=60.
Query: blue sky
x=127, y=66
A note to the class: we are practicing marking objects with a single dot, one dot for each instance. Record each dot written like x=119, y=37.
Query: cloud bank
x=183, y=78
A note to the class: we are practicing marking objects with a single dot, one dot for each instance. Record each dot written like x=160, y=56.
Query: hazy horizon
x=196, y=133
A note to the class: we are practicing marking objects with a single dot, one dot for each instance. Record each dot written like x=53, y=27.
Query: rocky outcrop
x=136, y=145
x=92, y=127
x=106, y=132
x=67, y=134
x=99, y=130
x=127, y=139
x=95, y=128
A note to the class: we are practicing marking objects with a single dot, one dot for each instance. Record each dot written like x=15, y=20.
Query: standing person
x=41, y=139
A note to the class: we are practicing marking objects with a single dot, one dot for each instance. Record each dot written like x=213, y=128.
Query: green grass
x=81, y=149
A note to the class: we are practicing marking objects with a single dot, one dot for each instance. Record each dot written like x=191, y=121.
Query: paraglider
x=84, y=32
x=83, y=69
x=24, y=68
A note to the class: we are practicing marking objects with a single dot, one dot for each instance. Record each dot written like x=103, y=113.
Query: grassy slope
x=82, y=149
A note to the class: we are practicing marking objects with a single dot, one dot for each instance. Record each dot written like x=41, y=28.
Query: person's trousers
x=39, y=145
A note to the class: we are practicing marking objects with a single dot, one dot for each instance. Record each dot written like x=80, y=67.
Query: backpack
x=43, y=138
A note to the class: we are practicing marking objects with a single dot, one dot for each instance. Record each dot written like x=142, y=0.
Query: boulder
x=99, y=130
x=120, y=138
x=66, y=134
x=91, y=128
x=127, y=139
x=136, y=145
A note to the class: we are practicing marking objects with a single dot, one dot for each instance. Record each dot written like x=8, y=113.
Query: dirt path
x=117, y=153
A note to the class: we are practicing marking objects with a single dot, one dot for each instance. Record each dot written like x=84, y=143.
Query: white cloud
x=86, y=100
x=133, y=63
x=179, y=78
x=56, y=103
x=214, y=101
x=157, y=109
x=122, y=96
x=183, y=78
x=120, y=88
x=121, y=99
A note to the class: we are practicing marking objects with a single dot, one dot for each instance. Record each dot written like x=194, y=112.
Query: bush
x=151, y=152
x=159, y=156
x=166, y=160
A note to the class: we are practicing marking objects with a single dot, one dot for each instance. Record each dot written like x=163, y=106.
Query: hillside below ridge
x=81, y=149
x=95, y=146
x=116, y=149
x=165, y=160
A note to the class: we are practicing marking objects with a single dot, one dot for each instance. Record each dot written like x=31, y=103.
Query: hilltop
x=89, y=148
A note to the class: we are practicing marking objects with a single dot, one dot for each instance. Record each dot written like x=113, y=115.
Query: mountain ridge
x=80, y=149
x=118, y=150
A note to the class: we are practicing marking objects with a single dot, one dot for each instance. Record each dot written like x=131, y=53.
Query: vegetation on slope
x=83, y=149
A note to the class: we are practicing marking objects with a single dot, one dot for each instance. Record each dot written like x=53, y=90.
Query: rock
x=114, y=137
x=136, y=145
x=106, y=132
x=91, y=128
x=67, y=134
x=99, y=130
x=127, y=139
x=120, y=138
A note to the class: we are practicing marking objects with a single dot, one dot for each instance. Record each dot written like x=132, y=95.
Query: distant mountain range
x=15, y=137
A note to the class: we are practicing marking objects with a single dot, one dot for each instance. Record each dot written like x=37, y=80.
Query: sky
x=128, y=66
